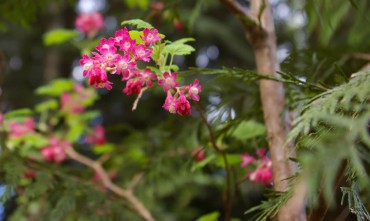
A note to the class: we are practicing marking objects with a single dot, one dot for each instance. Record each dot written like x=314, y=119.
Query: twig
x=209, y=127
x=239, y=10
x=212, y=137
x=362, y=56
x=104, y=158
x=138, y=98
x=135, y=180
x=125, y=193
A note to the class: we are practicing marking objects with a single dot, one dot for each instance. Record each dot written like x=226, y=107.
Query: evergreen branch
x=354, y=202
x=251, y=76
x=270, y=207
x=125, y=193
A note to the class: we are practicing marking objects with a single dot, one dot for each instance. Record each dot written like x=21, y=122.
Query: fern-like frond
x=270, y=207
x=355, y=203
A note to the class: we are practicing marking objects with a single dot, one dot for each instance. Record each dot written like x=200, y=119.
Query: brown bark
x=128, y=194
x=260, y=32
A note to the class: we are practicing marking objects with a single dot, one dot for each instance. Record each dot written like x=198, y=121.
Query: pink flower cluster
x=20, y=129
x=124, y=64
x=97, y=136
x=263, y=170
x=71, y=103
x=54, y=152
x=178, y=103
x=119, y=56
x=89, y=24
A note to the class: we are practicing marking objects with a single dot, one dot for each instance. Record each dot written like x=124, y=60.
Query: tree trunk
x=260, y=32
x=263, y=41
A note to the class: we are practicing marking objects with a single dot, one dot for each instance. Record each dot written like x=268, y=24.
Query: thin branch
x=238, y=9
x=138, y=98
x=127, y=194
x=362, y=56
x=212, y=137
x=209, y=127
x=104, y=158
x=135, y=180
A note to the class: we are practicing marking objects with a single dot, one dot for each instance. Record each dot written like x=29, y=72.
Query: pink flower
x=97, y=136
x=100, y=80
x=170, y=103
x=89, y=23
x=198, y=153
x=71, y=103
x=106, y=45
x=133, y=86
x=107, y=50
x=127, y=45
x=148, y=77
x=48, y=153
x=123, y=66
x=246, y=160
x=88, y=65
x=182, y=106
x=120, y=36
x=263, y=174
x=29, y=174
x=261, y=152
x=169, y=81
x=21, y=129
x=150, y=36
x=178, y=25
x=142, y=53
x=55, y=152
x=194, y=89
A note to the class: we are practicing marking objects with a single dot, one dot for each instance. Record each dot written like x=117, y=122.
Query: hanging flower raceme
x=19, y=129
x=89, y=24
x=55, y=151
x=262, y=172
x=120, y=55
x=97, y=136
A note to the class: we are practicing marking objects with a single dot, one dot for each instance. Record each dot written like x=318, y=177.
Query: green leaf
x=104, y=148
x=203, y=163
x=135, y=35
x=47, y=105
x=178, y=49
x=59, y=36
x=138, y=23
x=172, y=67
x=156, y=54
x=210, y=217
x=75, y=131
x=142, y=4
x=183, y=40
x=232, y=159
x=24, y=112
x=55, y=88
x=248, y=129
